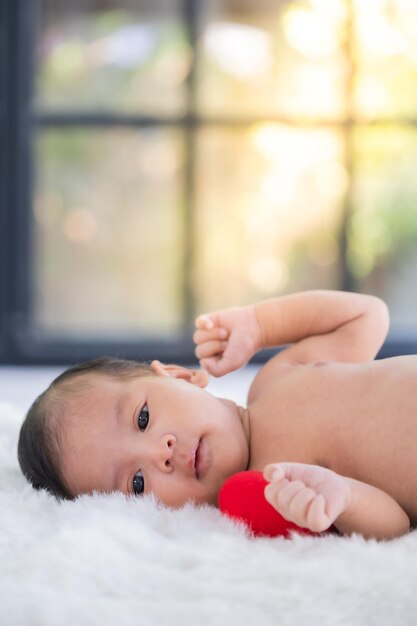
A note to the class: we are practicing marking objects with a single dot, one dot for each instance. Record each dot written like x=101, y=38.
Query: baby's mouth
x=197, y=459
x=202, y=459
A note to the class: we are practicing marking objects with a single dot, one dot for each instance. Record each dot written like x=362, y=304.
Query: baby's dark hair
x=39, y=441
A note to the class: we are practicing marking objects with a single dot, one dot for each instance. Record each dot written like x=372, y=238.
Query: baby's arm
x=324, y=325
x=315, y=497
x=321, y=325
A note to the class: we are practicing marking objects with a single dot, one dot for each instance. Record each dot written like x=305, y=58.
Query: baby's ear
x=195, y=377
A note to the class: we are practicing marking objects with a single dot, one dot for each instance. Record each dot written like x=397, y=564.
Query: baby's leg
x=309, y=495
x=315, y=497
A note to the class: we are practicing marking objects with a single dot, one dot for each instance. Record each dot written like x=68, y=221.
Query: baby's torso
x=359, y=420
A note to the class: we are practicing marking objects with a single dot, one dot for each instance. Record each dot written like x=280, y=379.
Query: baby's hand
x=226, y=339
x=311, y=496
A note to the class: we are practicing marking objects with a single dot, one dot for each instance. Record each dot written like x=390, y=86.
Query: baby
x=332, y=429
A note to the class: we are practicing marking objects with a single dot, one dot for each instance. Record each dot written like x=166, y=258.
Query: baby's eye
x=138, y=484
x=143, y=417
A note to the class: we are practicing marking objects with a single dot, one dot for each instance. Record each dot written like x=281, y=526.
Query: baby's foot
x=311, y=496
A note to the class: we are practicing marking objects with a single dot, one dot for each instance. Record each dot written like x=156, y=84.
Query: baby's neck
x=243, y=416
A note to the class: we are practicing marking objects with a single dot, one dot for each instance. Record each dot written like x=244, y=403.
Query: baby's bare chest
x=359, y=420
x=287, y=428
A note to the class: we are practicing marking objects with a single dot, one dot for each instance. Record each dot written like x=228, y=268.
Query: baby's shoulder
x=270, y=375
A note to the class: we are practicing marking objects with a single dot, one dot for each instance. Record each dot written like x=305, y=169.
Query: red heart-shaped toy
x=242, y=497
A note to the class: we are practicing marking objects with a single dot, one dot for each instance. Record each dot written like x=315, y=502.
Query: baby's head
x=39, y=446
x=117, y=425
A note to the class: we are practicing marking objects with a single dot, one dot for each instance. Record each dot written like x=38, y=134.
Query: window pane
x=269, y=207
x=130, y=56
x=386, y=35
x=108, y=231
x=383, y=229
x=271, y=57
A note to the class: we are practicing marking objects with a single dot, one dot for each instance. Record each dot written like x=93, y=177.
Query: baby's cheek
x=174, y=493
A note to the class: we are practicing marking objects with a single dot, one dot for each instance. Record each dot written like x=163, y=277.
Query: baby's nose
x=165, y=452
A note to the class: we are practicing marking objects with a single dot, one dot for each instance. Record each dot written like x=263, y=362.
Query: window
x=161, y=158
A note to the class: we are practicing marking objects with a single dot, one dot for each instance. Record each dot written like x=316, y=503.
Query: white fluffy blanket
x=108, y=560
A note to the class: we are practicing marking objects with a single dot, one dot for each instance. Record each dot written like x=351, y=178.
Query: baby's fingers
x=317, y=519
x=285, y=494
x=298, y=504
x=216, y=365
x=210, y=348
x=200, y=336
x=205, y=322
x=274, y=472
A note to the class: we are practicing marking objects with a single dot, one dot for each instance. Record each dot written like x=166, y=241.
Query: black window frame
x=19, y=344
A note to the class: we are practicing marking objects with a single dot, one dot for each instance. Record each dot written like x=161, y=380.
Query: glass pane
x=129, y=56
x=272, y=57
x=386, y=35
x=268, y=212
x=108, y=231
x=383, y=229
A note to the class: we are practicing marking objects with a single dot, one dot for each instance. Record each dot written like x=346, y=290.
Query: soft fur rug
x=109, y=560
